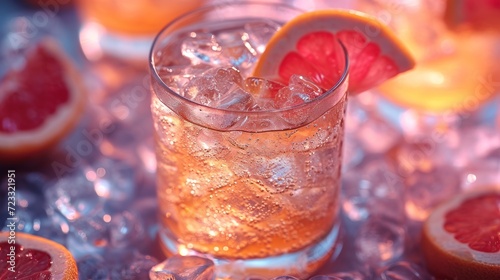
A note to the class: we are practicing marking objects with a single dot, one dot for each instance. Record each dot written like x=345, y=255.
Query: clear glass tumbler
x=257, y=191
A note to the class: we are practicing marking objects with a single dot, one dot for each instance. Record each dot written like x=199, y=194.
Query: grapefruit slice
x=473, y=14
x=307, y=45
x=33, y=257
x=41, y=100
x=461, y=238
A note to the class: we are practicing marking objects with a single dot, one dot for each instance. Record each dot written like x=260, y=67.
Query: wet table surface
x=379, y=235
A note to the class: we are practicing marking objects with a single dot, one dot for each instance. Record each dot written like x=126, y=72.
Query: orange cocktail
x=126, y=29
x=456, y=70
x=238, y=180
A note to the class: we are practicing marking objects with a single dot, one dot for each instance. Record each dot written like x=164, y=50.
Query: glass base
x=97, y=42
x=300, y=264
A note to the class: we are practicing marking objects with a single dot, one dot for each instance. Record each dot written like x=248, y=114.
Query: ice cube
x=73, y=196
x=377, y=135
x=236, y=99
x=426, y=189
x=202, y=47
x=404, y=270
x=147, y=208
x=379, y=241
x=92, y=267
x=209, y=88
x=264, y=91
x=176, y=76
x=259, y=33
x=373, y=189
x=299, y=90
x=116, y=265
x=126, y=230
x=280, y=174
x=114, y=180
x=183, y=268
x=88, y=235
x=350, y=275
x=235, y=50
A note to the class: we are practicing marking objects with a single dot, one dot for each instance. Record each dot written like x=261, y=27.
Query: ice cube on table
x=183, y=268
x=373, y=189
x=114, y=180
x=379, y=241
x=89, y=234
x=403, y=270
x=127, y=230
x=73, y=196
x=426, y=189
x=116, y=265
x=285, y=277
x=350, y=275
x=377, y=135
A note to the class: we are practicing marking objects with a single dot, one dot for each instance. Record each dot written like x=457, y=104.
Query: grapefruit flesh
x=35, y=258
x=25, y=105
x=460, y=238
x=41, y=100
x=476, y=222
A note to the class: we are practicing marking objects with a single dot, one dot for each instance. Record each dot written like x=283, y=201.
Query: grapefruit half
x=41, y=100
x=461, y=238
x=25, y=256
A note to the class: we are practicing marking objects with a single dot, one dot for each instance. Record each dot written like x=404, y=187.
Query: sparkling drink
x=252, y=186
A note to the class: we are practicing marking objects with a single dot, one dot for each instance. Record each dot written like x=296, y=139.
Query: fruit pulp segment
x=28, y=263
x=238, y=194
x=476, y=222
x=23, y=93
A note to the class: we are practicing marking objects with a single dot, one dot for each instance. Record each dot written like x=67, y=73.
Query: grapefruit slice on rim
x=33, y=257
x=307, y=45
x=41, y=100
x=461, y=238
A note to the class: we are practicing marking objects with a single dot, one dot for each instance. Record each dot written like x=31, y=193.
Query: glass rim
x=160, y=37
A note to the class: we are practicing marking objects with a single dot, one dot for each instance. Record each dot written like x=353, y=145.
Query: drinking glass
x=257, y=191
x=125, y=29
